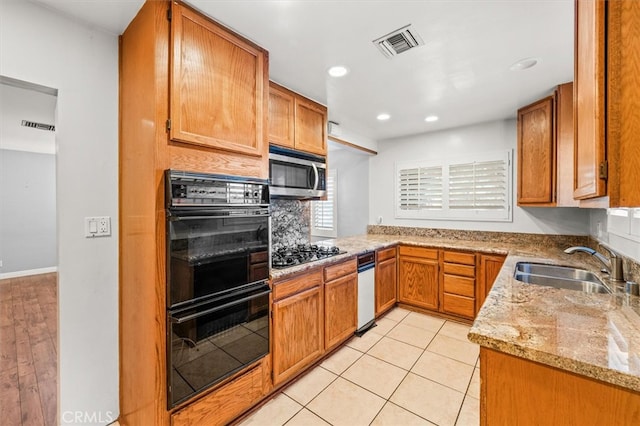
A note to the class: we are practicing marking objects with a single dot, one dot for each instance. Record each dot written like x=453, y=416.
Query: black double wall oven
x=218, y=230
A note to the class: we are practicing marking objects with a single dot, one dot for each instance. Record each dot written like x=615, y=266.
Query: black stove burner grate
x=302, y=253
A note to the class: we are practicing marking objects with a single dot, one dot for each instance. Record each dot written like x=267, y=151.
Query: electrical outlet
x=97, y=226
x=599, y=229
x=0, y=263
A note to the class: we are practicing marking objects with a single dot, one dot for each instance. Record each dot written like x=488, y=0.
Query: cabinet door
x=218, y=86
x=536, y=153
x=564, y=146
x=297, y=333
x=490, y=266
x=589, y=98
x=419, y=282
x=311, y=127
x=386, y=285
x=340, y=309
x=281, y=116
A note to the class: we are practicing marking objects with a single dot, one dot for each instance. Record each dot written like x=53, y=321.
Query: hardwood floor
x=28, y=350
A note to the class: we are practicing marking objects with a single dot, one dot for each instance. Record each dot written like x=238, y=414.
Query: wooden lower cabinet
x=298, y=325
x=418, y=277
x=386, y=280
x=227, y=402
x=341, y=305
x=490, y=265
x=515, y=391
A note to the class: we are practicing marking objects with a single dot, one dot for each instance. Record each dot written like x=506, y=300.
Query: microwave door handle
x=180, y=320
x=317, y=177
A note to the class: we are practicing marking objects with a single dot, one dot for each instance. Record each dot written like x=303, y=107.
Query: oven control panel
x=190, y=189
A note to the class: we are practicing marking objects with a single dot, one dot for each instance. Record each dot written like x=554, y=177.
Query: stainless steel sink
x=556, y=276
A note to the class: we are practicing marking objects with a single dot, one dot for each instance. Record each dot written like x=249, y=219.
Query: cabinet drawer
x=422, y=252
x=223, y=405
x=459, y=285
x=458, y=305
x=259, y=257
x=297, y=284
x=457, y=269
x=458, y=257
x=385, y=254
x=341, y=269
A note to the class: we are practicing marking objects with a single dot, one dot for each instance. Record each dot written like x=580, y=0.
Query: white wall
x=353, y=196
x=622, y=242
x=463, y=141
x=41, y=46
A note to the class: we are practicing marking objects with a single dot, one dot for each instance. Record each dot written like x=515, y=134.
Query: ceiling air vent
x=40, y=126
x=398, y=41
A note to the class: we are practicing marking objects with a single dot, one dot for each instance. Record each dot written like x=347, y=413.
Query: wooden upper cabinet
x=589, y=97
x=296, y=122
x=281, y=116
x=536, y=153
x=623, y=102
x=311, y=127
x=564, y=146
x=218, y=86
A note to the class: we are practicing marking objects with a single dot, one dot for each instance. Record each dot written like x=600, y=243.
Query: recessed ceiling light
x=523, y=64
x=338, y=71
x=383, y=117
x=431, y=118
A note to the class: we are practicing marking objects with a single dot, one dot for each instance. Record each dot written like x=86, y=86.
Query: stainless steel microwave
x=296, y=175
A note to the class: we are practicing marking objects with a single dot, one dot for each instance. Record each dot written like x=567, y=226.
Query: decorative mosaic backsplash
x=290, y=223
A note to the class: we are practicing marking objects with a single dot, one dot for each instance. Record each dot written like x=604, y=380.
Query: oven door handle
x=317, y=176
x=180, y=320
x=226, y=216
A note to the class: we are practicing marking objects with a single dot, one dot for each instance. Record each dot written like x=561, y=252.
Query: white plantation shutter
x=456, y=189
x=420, y=188
x=324, y=213
x=479, y=185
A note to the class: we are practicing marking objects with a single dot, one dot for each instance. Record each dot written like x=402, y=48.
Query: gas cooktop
x=301, y=253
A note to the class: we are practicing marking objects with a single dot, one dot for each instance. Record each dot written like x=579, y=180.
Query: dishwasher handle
x=366, y=267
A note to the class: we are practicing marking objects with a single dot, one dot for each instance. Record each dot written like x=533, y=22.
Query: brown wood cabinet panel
x=426, y=253
x=340, y=309
x=144, y=65
x=623, y=102
x=341, y=269
x=384, y=254
x=311, y=127
x=462, y=270
x=291, y=286
x=297, y=332
x=564, y=146
x=459, y=257
x=418, y=280
x=224, y=404
x=218, y=86
x=458, y=305
x=281, y=116
x=490, y=266
x=386, y=282
x=462, y=286
x=589, y=99
x=515, y=391
x=536, y=153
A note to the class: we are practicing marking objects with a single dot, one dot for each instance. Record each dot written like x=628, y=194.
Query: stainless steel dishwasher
x=366, y=292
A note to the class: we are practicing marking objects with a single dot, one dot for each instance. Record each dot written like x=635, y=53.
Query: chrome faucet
x=613, y=265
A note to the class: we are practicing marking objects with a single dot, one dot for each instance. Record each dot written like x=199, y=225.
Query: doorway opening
x=28, y=254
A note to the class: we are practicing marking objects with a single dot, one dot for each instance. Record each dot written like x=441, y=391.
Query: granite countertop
x=594, y=335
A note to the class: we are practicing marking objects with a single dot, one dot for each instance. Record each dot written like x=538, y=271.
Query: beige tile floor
x=412, y=369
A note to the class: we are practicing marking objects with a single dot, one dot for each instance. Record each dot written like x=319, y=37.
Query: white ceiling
x=461, y=73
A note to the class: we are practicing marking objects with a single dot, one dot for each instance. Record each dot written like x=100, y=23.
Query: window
x=456, y=189
x=324, y=221
x=624, y=223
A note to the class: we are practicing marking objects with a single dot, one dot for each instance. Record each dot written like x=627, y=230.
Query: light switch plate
x=97, y=226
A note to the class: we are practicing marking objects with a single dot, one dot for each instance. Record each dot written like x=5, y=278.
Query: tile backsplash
x=290, y=223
